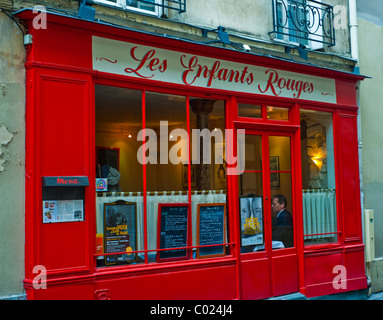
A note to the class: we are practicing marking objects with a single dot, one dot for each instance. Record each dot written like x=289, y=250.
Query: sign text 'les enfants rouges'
x=125, y=58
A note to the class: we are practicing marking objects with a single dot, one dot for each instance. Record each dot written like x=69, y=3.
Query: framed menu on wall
x=211, y=229
x=120, y=232
x=173, y=231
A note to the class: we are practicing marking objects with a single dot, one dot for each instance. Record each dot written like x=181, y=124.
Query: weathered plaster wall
x=371, y=95
x=370, y=30
x=255, y=19
x=12, y=153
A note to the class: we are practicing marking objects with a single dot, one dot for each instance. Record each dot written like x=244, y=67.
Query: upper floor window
x=303, y=22
x=155, y=7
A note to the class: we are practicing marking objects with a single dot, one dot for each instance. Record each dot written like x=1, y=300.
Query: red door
x=268, y=258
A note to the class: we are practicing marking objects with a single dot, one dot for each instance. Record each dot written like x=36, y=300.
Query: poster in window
x=251, y=220
x=173, y=231
x=211, y=229
x=185, y=175
x=120, y=232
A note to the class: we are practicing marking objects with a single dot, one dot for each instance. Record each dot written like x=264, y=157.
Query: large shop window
x=181, y=204
x=318, y=177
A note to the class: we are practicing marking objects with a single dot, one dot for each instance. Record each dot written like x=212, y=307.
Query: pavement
x=352, y=295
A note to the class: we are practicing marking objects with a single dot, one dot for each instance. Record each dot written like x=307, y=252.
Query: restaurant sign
x=177, y=67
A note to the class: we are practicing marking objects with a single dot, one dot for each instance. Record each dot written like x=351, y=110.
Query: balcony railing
x=302, y=21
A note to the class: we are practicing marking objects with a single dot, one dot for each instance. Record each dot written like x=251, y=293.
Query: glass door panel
x=253, y=152
x=280, y=153
x=251, y=196
x=280, y=191
x=251, y=212
x=282, y=218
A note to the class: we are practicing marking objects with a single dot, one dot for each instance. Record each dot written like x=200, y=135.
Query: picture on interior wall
x=185, y=175
x=274, y=176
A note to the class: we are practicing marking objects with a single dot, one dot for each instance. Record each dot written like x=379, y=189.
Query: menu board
x=211, y=229
x=63, y=210
x=63, y=199
x=120, y=232
x=173, y=227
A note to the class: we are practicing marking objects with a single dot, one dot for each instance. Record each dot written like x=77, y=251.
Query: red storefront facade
x=75, y=79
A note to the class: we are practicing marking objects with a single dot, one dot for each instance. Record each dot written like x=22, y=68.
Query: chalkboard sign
x=211, y=229
x=173, y=231
x=120, y=232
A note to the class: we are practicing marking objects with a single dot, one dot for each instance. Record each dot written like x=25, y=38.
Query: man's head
x=278, y=203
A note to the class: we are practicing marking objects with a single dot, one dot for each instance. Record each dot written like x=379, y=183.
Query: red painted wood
x=255, y=277
x=346, y=92
x=285, y=273
x=348, y=151
x=210, y=283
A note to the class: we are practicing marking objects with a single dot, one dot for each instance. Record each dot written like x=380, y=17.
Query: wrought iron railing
x=179, y=5
x=303, y=21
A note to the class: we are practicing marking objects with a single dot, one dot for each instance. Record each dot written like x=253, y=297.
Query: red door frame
x=267, y=130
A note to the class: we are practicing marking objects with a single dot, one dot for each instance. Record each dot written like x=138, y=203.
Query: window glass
x=251, y=197
x=318, y=177
x=282, y=211
x=166, y=119
x=127, y=207
x=289, y=14
x=249, y=110
x=208, y=156
x=119, y=201
x=252, y=194
x=136, y=5
x=253, y=152
x=141, y=5
x=275, y=113
x=281, y=188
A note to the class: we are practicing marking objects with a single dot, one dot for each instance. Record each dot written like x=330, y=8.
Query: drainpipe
x=354, y=32
x=353, y=19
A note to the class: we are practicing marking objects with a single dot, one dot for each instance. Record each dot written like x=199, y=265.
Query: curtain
x=319, y=213
x=153, y=199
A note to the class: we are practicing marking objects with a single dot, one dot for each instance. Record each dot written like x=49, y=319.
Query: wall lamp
x=223, y=37
x=318, y=157
x=318, y=162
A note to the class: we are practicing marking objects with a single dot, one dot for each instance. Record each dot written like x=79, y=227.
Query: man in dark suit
x=282, y=221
